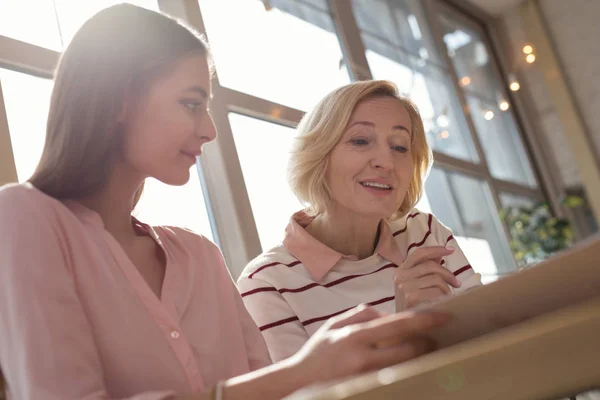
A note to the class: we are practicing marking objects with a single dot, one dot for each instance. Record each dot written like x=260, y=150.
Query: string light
x=530, y=58
x=443, y=121
x=528, y=49
x=504, y=105
x=488, y=115
x=464, y=81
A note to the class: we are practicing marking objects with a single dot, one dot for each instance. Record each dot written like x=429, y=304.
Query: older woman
x=359, y=164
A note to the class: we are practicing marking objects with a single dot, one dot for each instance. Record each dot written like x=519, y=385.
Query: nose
x=383, y=157
x=205, y=128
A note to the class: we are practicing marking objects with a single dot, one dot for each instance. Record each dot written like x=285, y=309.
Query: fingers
x=425, y=269
x=398, y=326
x=400, y=352
x=358, y=314
x=433, y=281
x=419, y=256
x=423, y=296
x=407, y=300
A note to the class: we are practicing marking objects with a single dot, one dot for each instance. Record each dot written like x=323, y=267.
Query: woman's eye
x=359, y=142
x=400, y=149
x=191, y=104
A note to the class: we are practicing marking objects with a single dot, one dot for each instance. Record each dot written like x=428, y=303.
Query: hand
x=361, y=340
x=421, y=278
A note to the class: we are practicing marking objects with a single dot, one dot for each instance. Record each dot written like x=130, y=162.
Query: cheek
x=404, y=172
x=157, y=134
x=346, y=165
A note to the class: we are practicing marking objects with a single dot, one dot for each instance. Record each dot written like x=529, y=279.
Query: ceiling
x=496, y=7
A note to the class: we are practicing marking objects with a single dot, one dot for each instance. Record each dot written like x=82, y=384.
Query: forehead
x=382, y=109
x=190, y=71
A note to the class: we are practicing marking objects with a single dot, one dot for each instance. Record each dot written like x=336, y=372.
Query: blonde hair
x=113, y=58
x=321, y=129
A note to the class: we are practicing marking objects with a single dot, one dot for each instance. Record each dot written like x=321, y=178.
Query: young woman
x=359, y=165
x=95, y=304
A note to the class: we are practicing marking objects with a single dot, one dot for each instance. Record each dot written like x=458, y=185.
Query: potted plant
x=535, y=233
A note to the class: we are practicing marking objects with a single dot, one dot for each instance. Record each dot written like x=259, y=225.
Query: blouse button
x=174, y=334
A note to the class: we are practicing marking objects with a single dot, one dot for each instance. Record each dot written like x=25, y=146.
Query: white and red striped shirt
x=292, y=289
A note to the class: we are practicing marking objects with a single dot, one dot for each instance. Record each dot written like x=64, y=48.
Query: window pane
x=499, y=137
x=31, y=21
x=272, y=201
x=465, y=205
x=27, y=99
x=181, y=206
x=431, y=90
x=52, y=23
x=515, y=200
x=496, y=128
x=289, y=54
x=400, y=23
x=471, y=59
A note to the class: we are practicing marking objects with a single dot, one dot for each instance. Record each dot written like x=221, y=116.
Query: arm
x=282, y=330
x=46, y=343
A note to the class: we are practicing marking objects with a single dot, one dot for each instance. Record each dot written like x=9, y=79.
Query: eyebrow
x=372, y=125
x=200, y=90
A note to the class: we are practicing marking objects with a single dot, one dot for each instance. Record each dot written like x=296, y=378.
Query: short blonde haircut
x=321, y=129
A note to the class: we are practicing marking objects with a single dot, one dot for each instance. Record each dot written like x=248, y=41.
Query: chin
x=177, y=178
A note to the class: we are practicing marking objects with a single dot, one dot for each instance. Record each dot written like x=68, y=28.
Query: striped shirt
x=292, y=289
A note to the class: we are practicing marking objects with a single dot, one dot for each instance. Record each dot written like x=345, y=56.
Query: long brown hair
x=114, y=57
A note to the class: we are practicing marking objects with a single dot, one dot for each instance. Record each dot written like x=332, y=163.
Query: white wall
x=575, y=30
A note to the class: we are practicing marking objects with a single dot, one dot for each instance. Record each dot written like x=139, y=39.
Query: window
x=27, y=99
x=289, y=54
x=277, y=57
x=265, y=175
x=487, y=102
x=399, y=48
x=465, y=205
x=52, y=23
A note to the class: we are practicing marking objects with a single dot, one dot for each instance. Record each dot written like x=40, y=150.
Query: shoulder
x=22, y=205
x=270, y=258
x=17, y=196
x=29, y=217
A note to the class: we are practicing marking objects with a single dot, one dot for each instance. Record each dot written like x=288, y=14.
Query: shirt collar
x=318, y=258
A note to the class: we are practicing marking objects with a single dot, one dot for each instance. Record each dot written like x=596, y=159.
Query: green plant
x=535, y=233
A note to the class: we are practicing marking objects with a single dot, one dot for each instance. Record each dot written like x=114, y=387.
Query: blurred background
x=508, y=91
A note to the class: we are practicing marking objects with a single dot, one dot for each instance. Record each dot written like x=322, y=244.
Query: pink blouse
x=78, y=321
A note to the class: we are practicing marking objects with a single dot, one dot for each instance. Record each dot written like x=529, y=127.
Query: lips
x=192, y=154
x=376, y=185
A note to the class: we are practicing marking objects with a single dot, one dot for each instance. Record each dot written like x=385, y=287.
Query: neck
x=346, y=233
x=114, y=202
